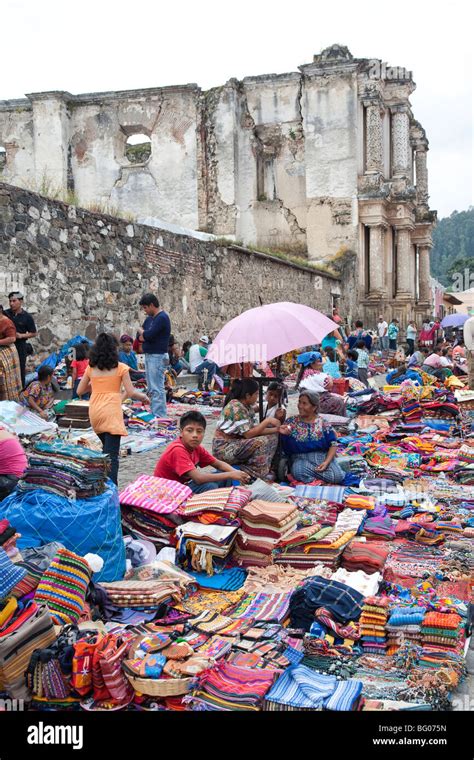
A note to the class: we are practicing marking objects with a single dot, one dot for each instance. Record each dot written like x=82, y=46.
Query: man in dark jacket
x=25, y=328
x=155, y=335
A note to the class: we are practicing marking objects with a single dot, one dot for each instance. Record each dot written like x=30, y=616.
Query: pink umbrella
x=265, y=332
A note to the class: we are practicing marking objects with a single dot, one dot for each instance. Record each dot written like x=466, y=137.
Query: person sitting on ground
x=198, y=362
x=13, y=462
x=312, y=378
x=459, y=350
x=238, y=440
x=184, y=459
x=433, y=364
x=417, y=358
x=275, y=401
x=310, y=443
x=185, y=355
x=106, y=376
x=128, y=356
x=363, y=361
x=351, y=369
x=331, y=365
x=78, y=366
x=174, y=352
x=39, y=395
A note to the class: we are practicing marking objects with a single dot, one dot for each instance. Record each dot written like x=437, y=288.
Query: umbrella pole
x=260, y=400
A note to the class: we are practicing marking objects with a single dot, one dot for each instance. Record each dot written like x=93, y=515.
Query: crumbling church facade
x=317, y=162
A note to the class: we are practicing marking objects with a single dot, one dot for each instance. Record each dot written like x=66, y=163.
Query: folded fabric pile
x=369, y=556
x=442, y=631
x=228, y=687
x=302, y=688
x=380, y=528
x=372, y=624
x=404, y=624
x=334, y=494
x=8, y=539
x=148, y=593
x=262, y=606
x=11, y=577
x=359, y=501
x=63, y=587
x=204, y=547
x=220, y=506
x=321, y=512
x=343, y=602
x=264, y=525
x=151, y=508
x=69, y=471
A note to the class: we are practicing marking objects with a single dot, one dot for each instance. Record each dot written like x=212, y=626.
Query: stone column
x=376, y=261
x=421, y=174
x=374, y=138
x=401, y=141
x=405, y=286
x=50, y=136
x=424, y=273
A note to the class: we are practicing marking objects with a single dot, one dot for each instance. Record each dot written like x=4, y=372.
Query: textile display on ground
x=271, y=597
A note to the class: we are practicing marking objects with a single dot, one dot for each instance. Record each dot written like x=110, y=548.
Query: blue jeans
x=211, y=367
x=155, y=365
x=203, y=487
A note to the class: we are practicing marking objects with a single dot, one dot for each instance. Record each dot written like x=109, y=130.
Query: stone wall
x=82, y=272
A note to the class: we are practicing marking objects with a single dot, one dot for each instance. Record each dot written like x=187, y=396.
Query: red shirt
x=80, y=365
x=177, y=460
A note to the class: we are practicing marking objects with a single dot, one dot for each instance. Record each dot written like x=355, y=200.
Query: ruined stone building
x=318, y=162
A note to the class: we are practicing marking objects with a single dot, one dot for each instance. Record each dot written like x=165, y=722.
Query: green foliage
x=453, y=246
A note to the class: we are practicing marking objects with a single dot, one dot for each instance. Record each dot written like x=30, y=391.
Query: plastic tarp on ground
x=53, y=359
x=82, y=526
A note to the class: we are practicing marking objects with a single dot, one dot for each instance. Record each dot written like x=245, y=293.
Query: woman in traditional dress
x=310, y=443
x=313, y=379
x=10, y=375
x=238, y=440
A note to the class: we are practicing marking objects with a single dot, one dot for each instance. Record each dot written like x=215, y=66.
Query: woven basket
x=161, y=687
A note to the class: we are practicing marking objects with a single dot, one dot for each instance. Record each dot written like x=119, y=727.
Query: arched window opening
x=3, y=158
x=138, y=148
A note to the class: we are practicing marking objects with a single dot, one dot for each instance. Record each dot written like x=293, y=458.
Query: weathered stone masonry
x=82, y=272
x=320, y=161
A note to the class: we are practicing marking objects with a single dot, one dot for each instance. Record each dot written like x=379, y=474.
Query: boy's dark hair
x=275, y=386
x=353, y=354
x=104, y=352
x=149, y=299
x=361, y=344
x=186, y=346
x=359, y=323
x=45, y=372
x=81, y=352
x=192, y=416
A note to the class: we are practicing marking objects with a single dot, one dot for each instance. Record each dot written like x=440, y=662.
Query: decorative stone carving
x=374, y=146
x=376, y=261
x=424, y=273
x=401, y=142
x=404, y=251
x=421, y=175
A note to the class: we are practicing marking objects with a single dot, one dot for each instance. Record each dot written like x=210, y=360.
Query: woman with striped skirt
x=10, y=375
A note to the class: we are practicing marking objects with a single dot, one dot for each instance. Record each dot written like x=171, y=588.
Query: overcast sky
x=98, y=45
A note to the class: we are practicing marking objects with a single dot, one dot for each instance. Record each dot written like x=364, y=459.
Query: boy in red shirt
x=183, y=458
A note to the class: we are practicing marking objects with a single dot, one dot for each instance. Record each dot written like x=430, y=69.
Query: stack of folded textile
x=333, y=494
x=69, y=471
x=8, y=539
x=322, y=512
x=372, y=624
x=264, y=525
x=220, y=506
x=379, y=527
x=442, y=631
x=359, y=501
x=369, y=556
x=302, y=688
x=228, y=687
x=344, y=603
x=204, y=547
x=261, y=606
x=404, y=624
x=149, y=593
x=151, y=508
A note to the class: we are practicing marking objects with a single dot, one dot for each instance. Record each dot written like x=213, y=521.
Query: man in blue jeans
x=155, y=335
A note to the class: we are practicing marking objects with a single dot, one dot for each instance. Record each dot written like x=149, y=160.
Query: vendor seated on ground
x=183, y=459
x=238, y=440
x=417, y=358
x=174, y=352
x=128, y=356
x=459, y=350
x=13, y=462
x=350, y=364
x=331, y=365
x=310, y=443
x=437, y=364
x=275, y=398
x=313, y=379
x=39, y=395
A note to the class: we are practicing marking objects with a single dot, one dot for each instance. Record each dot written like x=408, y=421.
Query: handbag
x=48, y=674
x=31, y=629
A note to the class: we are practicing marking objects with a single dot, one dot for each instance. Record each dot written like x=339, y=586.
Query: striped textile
x=335, y=494
x=231, y=688
x=301, y=687
x=155, y=494
x=63, y=587
x=10, y=375
x=262, y=606
x=10, y=574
